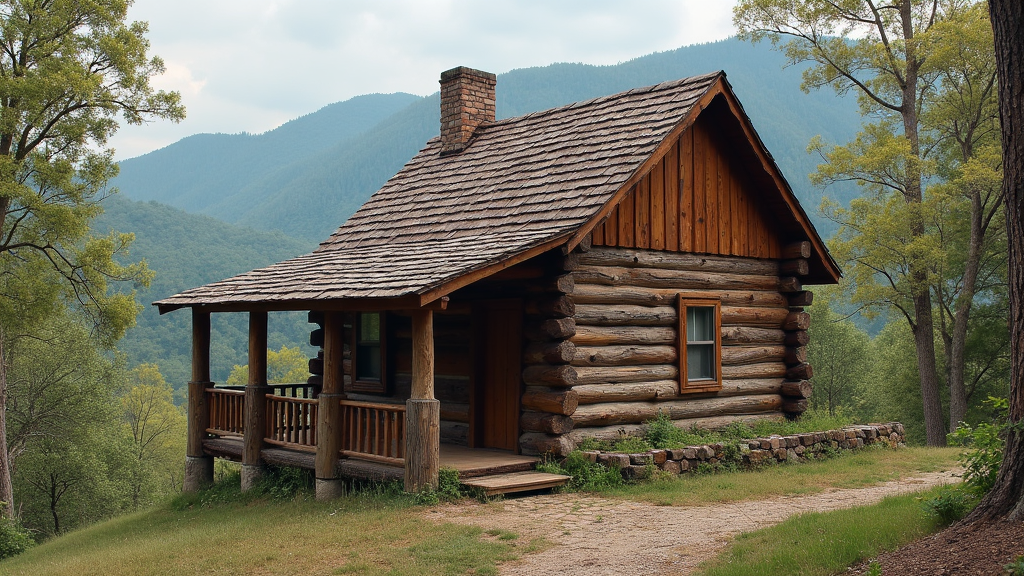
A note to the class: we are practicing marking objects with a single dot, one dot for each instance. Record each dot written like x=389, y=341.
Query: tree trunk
x=1007, y=496
x=924, y=343
x=962, y=316
x=6, y=488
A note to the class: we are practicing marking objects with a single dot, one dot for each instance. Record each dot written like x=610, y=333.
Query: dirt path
x=597, y=536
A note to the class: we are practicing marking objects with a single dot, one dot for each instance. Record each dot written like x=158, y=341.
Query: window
x=369, y=353
x=700, y=344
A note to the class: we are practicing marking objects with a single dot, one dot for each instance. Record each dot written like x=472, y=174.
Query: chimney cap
x=464, y=71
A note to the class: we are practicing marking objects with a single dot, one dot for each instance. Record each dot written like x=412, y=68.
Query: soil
x=592, y=536
x=980, y=549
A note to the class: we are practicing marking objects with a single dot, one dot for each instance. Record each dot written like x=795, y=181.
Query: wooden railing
x=284, y=390
x=291, y=422
x=227, y=411
x=373, y=431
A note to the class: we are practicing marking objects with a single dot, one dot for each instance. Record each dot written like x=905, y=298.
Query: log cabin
x=523, y=284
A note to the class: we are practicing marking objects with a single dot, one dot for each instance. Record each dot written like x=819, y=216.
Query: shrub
x=1015, y=568
x=13, y=539
x=952, y=503
x=986, y=442
x=449, y=489
x=587, y=476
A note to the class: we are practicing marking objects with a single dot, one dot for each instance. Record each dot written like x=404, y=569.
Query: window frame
x=369, y=386
x=703, y=385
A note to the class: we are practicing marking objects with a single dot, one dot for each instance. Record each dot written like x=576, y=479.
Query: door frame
x=479, y=350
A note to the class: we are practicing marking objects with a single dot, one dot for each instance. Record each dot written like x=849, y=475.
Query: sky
x=251, y=65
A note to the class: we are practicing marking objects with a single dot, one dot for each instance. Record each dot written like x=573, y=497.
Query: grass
x=856, y=470
x=366, y=535
x=824, y=543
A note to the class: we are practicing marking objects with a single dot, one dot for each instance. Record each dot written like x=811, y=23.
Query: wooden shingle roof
x=522, y=186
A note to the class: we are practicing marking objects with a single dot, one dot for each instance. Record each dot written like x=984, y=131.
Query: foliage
x=838, y=350
x=13, y=539
x=285, y=366
x=1015, y=568
x=587, y=476
x=449, y=489
x=157, y=429
x=951, y=503
x=986, y=442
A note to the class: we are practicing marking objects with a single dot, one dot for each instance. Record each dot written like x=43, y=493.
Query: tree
x=285, y=366
x=68, y=71
x=838, y=352
x=902, y=59
x=156, y=428
x=1006, y=499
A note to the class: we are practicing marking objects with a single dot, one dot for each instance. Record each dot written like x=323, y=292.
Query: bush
x=449, y=489
x=952, y=503
x=587, y=476
x=13, y=539
x=986, y=440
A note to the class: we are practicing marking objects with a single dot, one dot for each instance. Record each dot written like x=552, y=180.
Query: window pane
x=700, y=324
x=700, y=361
x=369, y=327
x=368, y=362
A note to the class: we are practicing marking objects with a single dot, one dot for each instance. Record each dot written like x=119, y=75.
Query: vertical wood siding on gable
x=695, y=199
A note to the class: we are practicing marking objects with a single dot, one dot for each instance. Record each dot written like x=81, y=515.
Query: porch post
x=422, y=411
x=255, y=401
x=328, y=421
x=198, y=465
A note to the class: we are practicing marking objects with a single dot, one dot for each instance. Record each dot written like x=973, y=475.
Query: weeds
x=1015, y=568
x=587, y=476
x=951, y=503
x=986, y=442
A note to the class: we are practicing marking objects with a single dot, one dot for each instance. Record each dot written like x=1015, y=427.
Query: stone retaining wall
x=753, y=452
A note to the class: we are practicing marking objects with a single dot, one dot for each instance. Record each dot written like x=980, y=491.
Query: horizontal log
x=637, y=412
x=610, y=374
x=542, y=399
x=796, y=389
x=797, y=321
x=668, y=390
x=795, y=355
x=801, y=299
x=448, y=360
x=763, y=370
x=539, y=443
x=446, y=387
x=625, y=315
x=315, y=317
x=794, y=406
x=454, y=433
x=543, y=375
x=608, y=335
x=795, y=267
x=316, y=338
x=554, y=307
x=681, y=279
x=733, y=335
x=630, y=258
x=562, y=284
x=797, y=338
x=789, y=284
x=797, y=250
x=764, y=317
x=561, y=352
x=740, y=355
x=315, y=366
x=450, y=335
x=644, y=296
x=571, y=261
x=624, y=355
x=455, y=412
x=551, y=329
x=800, y=372
x=544, y=422
x=613, y=433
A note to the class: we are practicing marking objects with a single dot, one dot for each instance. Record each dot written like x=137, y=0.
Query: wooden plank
x=657, y=213
x=740, y=217
x=626, y=217
x=516, y=482
x=710, y=189
x=671, y=191
x=642, y=221
x=686, y=215
x=598, y=234
x=725, y=230
x=700, y=240
x=611, y=228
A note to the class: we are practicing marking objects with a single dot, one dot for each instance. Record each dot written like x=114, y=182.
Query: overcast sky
x=250, y=65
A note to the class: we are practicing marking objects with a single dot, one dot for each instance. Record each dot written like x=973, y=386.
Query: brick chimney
x=467, y=100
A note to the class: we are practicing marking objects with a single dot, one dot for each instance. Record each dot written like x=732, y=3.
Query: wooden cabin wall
x=616, y=365
x=696, y=199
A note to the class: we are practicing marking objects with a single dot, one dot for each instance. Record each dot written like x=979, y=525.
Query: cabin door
x=497, y=389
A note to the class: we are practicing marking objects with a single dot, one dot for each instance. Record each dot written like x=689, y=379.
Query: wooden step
x=515, y=482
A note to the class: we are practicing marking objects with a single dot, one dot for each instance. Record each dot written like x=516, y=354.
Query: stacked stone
x=753, y=452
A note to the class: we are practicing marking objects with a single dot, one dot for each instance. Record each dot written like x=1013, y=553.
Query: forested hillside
x=185, y=251
x=307, y=191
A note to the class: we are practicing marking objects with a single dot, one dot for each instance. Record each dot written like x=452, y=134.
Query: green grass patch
x=371, y=533
x=865, y=467
x=827, y=543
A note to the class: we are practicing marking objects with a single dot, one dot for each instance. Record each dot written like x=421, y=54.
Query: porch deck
x=469, y=462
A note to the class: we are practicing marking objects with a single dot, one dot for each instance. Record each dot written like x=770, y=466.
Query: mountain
x=307, y=193
x=188, y=250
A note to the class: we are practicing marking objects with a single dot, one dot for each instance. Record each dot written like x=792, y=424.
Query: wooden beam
x=423, y=355
x=329, y=413
x=198, y=464
x=200, y=346
x=255, y=400
x=423, y=412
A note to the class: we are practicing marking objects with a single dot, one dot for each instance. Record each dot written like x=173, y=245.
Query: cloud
x=249, y=65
